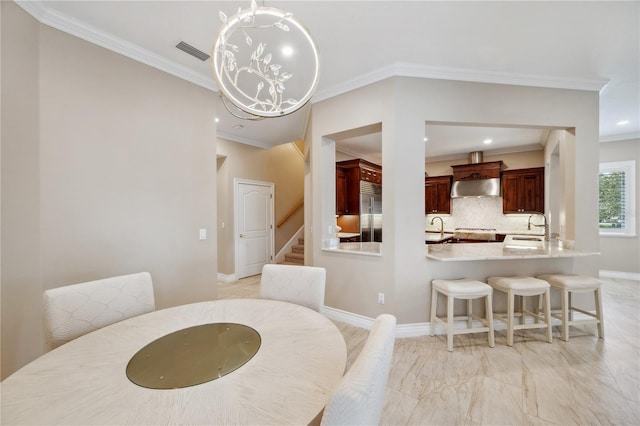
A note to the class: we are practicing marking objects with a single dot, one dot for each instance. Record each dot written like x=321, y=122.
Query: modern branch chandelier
x=265, y=63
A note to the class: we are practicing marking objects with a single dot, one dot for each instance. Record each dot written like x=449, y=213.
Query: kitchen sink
x=524, y=241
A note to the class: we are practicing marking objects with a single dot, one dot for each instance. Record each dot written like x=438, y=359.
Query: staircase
x=296, y=257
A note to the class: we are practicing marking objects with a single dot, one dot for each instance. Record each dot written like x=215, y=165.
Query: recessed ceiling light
x=426, y=139
x=487, y=141
x=217, y=120
x=622, y=122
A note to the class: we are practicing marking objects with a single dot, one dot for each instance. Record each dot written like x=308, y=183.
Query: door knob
x=241, y=235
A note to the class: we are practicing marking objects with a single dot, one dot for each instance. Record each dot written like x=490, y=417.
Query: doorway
x=254, y=234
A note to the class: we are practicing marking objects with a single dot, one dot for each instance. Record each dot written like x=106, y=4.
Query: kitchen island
x=499, y=251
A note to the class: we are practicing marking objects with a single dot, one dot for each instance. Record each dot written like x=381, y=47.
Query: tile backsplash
x=482, y=213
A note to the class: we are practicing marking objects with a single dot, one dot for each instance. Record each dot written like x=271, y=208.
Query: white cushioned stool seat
x=465, y=289
x=568, y=284
x=523, y=286
x=573, y=282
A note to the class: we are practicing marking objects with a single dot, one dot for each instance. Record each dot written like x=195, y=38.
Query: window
x=617, y=209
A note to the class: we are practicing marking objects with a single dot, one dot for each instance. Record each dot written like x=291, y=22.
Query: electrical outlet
x=203, y=234
x=381, y=298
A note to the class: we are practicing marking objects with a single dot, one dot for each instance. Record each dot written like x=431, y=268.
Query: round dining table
x=301, y=359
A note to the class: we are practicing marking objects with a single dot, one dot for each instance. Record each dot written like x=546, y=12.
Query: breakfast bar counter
x=499, y=251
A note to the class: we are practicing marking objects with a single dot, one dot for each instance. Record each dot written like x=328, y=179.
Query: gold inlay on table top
x=193, y=355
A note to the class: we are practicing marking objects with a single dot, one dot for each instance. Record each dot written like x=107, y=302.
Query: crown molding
x=620, y=137
x=62, y=22
x=246, y=141
x=47, y=16
x=403, y=69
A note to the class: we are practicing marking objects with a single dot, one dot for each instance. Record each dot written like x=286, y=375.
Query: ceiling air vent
x=186, y=47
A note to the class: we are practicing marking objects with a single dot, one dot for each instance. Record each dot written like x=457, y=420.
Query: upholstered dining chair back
x=359, y=397
x=303, y=285
x=74, y=310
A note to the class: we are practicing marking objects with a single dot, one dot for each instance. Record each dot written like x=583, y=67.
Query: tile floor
x=586, y=381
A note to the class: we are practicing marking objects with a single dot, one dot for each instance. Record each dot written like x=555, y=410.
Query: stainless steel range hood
x=476, y=188
x=477, y=179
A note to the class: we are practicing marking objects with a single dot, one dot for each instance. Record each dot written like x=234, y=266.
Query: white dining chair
x=303, y=285
x=74, y=310
x=359, y=397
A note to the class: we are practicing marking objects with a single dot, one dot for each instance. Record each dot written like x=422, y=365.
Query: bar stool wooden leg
x=450, y=323
x=547, y=314
x=510, y=314
x=434, y=302
x=520, y=304
x=598, y=301
x=565, y=315
x=469, y=313
x=570, y=294
x=489, y=317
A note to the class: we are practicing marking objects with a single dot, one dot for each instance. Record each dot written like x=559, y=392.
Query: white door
x=254, y=226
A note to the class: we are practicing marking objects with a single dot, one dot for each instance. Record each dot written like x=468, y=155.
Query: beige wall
x=621, y=254
x=282, y=165
x=403, y=105
x=21, y=292
x=118, y=177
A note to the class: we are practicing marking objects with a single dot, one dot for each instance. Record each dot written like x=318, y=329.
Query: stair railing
x=291, y=212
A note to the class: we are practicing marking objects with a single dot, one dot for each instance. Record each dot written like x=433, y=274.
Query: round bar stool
x=524, y=287
x=568, y=284
x=462, y=289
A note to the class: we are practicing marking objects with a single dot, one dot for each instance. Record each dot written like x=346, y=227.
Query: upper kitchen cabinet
x=349, y=173
x=437, y=195
x=359, y=169
x=341, y=191
x=523, y=190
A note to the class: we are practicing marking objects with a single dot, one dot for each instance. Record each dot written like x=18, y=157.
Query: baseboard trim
x=620, y=275
x=409, y=330
x=226, y=278
x=348, y=317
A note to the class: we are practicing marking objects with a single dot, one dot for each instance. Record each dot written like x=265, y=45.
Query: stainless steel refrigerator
x=370, y=212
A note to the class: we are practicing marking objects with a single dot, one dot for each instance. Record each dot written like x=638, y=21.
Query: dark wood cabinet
x=523, y=190
x=437, y=194
x=348, y=176
x=477, y=171
x=341, y=191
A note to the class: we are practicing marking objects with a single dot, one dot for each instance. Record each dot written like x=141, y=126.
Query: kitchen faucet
x=441, y=224
x=545, y=226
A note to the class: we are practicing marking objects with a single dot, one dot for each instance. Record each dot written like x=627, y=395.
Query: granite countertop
x=347, y=234
x=365, y=248
x=436, y=237
x=498, y=251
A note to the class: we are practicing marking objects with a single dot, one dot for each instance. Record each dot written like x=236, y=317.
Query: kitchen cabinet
x=349, y=173
x=341, y=191
x=523, y=190
x=477, y=171
x=437, y=194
